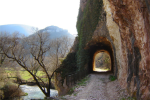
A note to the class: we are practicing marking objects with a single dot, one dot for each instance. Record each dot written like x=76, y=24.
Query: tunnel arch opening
x=102, y=45
x=101, y=61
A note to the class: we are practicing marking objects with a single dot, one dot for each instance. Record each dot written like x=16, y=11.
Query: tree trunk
x=48, y=88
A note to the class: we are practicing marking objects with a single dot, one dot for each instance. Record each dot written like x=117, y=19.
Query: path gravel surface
x=98, y=87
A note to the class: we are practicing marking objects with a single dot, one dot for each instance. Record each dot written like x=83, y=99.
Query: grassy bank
x=24, y=75
x=8, y=89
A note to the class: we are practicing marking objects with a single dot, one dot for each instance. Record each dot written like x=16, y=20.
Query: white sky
x=40, y=13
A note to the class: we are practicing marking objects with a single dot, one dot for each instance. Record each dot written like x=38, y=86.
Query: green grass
x=128, y=98
x=112, y=78
x=24, y=74
x=83, y=81
x=25, y=94
x=71, y=91
x=80, y=83
x=8, y=71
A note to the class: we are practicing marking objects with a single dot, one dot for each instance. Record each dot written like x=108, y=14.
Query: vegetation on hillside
x=68, y=65
x=86, y=24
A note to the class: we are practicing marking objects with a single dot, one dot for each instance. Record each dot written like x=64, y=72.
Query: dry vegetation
x=7, y=87
x=38, y=55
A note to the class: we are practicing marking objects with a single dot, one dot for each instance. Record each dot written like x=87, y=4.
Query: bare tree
x=31, y=54
x=59, y=49
x=36, y=53
x=2, y=56
x=4, y=77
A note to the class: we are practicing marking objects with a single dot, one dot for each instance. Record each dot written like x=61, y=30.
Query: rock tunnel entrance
x=101, y=61
x=105, y=47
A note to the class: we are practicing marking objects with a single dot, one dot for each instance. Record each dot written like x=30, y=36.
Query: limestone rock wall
x=133, y=20
x=122, y=27
x=61, y=87
x=127, y=28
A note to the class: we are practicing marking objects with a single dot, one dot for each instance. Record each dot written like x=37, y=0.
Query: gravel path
x=98, y=87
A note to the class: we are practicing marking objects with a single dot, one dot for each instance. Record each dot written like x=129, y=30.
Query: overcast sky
x=40, y=13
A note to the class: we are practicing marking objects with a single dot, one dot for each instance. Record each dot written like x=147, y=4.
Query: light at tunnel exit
x=101, y=61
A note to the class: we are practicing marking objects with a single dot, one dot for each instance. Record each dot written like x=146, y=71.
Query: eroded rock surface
x=128, y=31
x=133, y=19
x=121, y=27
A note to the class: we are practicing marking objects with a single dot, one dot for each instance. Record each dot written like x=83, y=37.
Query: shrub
x=1, y=94
x=68, y=65
x=11, y=90
x=26, y=94
x=112, y=78
x=83, y=81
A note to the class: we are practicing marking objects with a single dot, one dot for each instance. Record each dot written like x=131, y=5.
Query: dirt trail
x=98, y=87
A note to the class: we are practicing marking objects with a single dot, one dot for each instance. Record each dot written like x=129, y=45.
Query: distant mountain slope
x=11, y=28
x=56, y=32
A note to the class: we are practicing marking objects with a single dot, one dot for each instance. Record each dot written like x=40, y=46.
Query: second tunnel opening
x=101, y=61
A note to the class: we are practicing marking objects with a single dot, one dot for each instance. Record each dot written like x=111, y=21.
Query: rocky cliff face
x=125, y=25
x=122, y=28
x=133, y=19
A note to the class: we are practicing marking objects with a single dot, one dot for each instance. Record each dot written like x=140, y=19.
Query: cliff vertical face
x=83, y=4
x=125, y=25
x=122, y=28
x=133, y=19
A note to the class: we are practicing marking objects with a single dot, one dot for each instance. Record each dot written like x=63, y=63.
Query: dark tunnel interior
x=100, y=47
